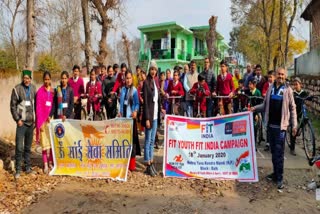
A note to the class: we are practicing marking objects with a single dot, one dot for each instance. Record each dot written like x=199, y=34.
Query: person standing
x=236, y=77
x=77, y=85
x=129, y=107
x=94, y=94
x=298, y=94
x=190, y=79
x=63, y=102
x=279, y=108
x=121, y=80
x=225, y=87
x=210, y=79
x=246, y=75
x=151, y=116
x=44, y=102
x=259, y=78
x=109, y=99
x=22, y=111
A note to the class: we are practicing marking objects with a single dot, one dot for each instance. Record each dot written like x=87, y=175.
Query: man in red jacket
x=225, y=86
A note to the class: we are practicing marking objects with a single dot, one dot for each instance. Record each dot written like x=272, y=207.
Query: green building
x=171, y=44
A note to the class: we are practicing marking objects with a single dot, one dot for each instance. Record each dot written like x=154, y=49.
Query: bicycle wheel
x=308, y=140
x=83, y=114
x=259, y=129
x=288, y=136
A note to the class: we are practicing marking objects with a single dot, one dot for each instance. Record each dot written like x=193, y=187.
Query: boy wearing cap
x=22, y=110
x=298, y=93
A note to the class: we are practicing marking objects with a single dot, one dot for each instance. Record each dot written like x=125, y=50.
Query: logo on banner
x=236, y=128
x=59, y=130
x=228, y=128
x=175, y=126
x=207, y=129
x=243, y=162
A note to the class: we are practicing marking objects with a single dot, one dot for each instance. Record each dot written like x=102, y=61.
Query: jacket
x=288, y=111
x=19, y=109
x=224, y=87
x=148, y=103
x=200, y=93
x=210, y=79
x=132, y=102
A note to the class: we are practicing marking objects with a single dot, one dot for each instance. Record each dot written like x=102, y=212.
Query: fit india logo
x=207, y=129
x=243, y=162
x=59, y=130
x=178, y=158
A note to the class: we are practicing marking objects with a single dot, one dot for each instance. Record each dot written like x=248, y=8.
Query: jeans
x=277, y=144
x=150, y=136
x=189, y=105
x=24, y=138
x=209, y=107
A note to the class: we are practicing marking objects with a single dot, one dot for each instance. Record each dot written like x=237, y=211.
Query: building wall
x=308, y=63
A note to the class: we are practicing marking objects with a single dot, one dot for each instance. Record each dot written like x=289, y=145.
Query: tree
x=262, y=26
x=13, y=9
x=126, y=44
x=211, y=39
x=87, y=33
x=48, y=63
x=31, y=34
x=102, y=15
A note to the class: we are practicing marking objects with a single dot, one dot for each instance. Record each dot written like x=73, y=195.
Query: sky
x=189, y=13
x=185, y=12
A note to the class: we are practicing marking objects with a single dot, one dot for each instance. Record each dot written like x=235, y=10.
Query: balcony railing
x=200, y=53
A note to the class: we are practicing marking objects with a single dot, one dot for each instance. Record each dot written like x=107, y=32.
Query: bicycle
x=94, y=115
x=258, y=125
x=175, y=107
x=305, y=127
x=220, y=105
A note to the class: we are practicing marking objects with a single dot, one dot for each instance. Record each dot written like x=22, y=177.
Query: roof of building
x=310, y=9
x=162, y=26
x=174, y=25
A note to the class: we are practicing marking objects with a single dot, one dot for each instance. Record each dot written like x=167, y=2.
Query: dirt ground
x=143, y=194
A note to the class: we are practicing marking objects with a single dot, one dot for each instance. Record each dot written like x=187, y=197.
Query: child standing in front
x=200, y=90
x=298, y=93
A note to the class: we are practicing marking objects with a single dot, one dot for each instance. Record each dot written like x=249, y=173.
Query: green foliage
x=48, y=63
x=7, y=60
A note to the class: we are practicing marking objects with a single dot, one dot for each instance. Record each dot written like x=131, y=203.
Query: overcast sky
x=188, y=13
x=185, y=12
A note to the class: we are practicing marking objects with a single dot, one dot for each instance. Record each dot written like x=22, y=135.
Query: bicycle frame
x=173, y=103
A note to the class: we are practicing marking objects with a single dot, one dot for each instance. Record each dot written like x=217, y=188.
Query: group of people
x=146, y=97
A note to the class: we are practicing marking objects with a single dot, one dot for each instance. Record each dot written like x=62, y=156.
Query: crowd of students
x=143, y=96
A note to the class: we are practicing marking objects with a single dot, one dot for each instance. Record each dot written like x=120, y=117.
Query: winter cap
x=27, y=72
x=297, y=79
x=153, y=64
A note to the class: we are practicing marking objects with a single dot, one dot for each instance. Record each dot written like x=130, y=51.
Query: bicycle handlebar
x=174, y=97
x=309, y=98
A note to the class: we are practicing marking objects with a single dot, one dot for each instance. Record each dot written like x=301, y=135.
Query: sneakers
x=150, y=171
x=280, y=185
x=30, y=172
x=266, y=148
x=153, y=169
x=271, y=177
x=17, y=175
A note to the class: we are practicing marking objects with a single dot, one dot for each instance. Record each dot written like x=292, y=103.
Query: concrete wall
x=308, y=63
